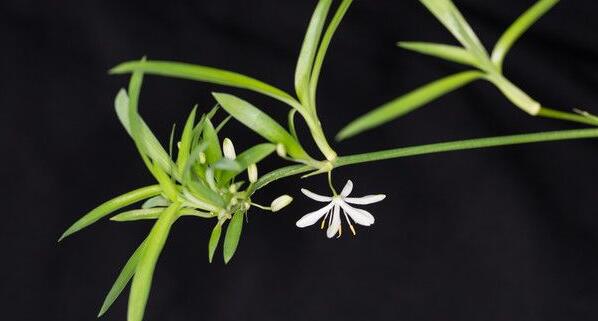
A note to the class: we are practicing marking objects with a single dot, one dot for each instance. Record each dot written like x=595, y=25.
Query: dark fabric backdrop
x=501, y=234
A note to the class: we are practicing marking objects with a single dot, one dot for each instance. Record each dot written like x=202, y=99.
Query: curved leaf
x=233, y=234
x=110, y=206
x=407, y=103
x=442, y=51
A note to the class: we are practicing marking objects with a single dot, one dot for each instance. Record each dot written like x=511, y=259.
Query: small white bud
x=252, y=173
x=202, y=157
x=178, y=145
x=281, y=150
x=228, y=149
x=232, y=188
x=247, y=205
x=280, y=203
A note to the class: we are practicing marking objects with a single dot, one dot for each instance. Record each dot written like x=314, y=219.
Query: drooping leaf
x=308, y=50
x=203, y=74
x=122, y=280
x=326, y=39
x=142, y=280
x=442, y=51
x=407, y=103
x=233, y=234
x=214, y=239
x=251, y=156
x=260, y=123
x=110, y=206
x=152, y=146
x=520, y=26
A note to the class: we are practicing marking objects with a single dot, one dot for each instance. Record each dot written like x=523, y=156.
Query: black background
x=500, y=234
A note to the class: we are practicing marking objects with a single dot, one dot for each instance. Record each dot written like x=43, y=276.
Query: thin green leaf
x=204, y=74
x=154, y=213
x=186, y=140
x=233, y=234
x=122, y=280
x=213, y=150
x=205, y=194
x=152, y=146
x=442, y=51
x=251, y=156
x=407, y=103
x=326, y=39
x=520, y=26
x=308, y=50
x=142, y=281
x=110, y=206
x=260, y=123
x=224, y=122
x=291, y=122
x=448, y=14
x=214, y=239
x=278, y=174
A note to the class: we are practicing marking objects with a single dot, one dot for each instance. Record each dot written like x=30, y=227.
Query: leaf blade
x=110, y=206
x=260, y=123
x=214, y=239
x=518, y=28
x=407, y=103
x=122, y=280
x=142, y=279
x=233, y=234
x=203, y=74
x=442, y=51
x=308, y=50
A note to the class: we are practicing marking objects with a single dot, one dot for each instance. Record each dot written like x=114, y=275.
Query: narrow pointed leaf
x=260, y=123
x=214, y=239
x=326, y=39
x=308, y=50
x=407, y=103
x=291, y=123
x=442, y=51
x=233, y=234
x=122, y=280
x=156, y=201
x=154, y=213
x=152, y=146
x=203, y=74
x=227, y=165
x=110, y=206
x=452, y=19
x=168, y=187
x=142, y=281
x=518, y=28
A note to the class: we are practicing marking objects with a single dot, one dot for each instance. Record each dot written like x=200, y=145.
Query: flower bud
x=252, y=173
x=281, y=150
x=202, y=157
x=228, y=149
x=280, y=203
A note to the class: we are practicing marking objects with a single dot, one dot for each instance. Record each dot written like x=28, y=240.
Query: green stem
x=555, y=114
x=435, y=148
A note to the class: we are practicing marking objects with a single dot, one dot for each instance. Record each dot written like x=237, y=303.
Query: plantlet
x=472, y=54
x=205, y=180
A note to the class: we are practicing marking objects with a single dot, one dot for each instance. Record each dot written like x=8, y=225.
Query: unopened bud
x=280, y=203
x=228, y=149
x=252, y=173
x=281, y=150
x=202, y=157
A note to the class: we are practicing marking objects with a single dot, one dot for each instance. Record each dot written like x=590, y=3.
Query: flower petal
x=335, y=225
x=316, y=197
x=369, y=199
x=347, y=189
x=313, y=217
x=361, y=217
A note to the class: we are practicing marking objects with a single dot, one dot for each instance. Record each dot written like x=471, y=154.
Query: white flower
x=332, y=211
